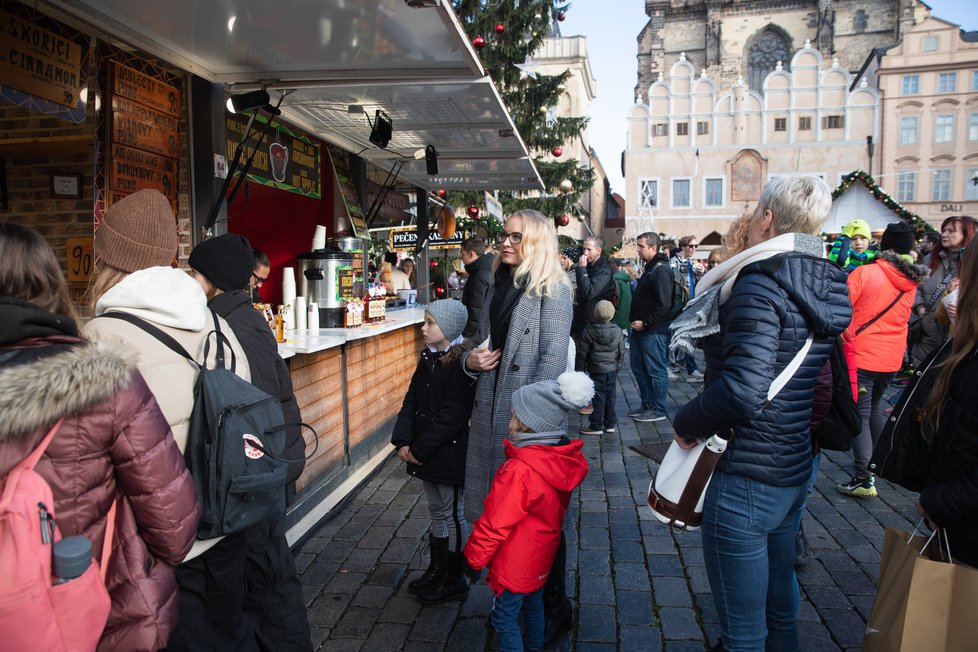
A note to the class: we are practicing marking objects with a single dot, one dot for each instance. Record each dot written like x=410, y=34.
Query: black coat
x=269, y=373
x=594, y=283
x=434, y=418
x=480, y=276
x=944, y=471
x=652, y=299
x=602, y=347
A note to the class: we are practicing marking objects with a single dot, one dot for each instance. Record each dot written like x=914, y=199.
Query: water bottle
x=71, y=557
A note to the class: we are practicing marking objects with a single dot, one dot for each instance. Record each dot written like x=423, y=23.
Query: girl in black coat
x=431, y=435
x=930, y=444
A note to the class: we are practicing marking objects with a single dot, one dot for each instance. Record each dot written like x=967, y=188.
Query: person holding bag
x=754, y=313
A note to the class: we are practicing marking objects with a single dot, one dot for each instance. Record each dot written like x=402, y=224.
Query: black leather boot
x=437, y=547
x=451, y=584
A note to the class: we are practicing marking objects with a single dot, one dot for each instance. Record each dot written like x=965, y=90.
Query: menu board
x=39, y=62
x=341, y=168
x=286, y=160
x=406, y=237
x=144, y=134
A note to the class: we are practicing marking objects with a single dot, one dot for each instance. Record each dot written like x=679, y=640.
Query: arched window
x=764, y=56
x=859, y=22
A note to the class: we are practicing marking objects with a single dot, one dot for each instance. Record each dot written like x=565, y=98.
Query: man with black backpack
x=651, y=312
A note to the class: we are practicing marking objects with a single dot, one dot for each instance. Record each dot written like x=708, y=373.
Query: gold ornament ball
x=543, y=109
x=566, y=186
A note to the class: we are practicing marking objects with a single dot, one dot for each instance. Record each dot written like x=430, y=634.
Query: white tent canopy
x=858, y=203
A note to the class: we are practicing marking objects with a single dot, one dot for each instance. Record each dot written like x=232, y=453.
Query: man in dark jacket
x=274, y=599
x=478, y=267
x=651, y=303
x=594, y=283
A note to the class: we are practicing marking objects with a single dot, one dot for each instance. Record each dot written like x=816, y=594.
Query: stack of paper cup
x=299, y=308
x=319, y=238
x=288, y=295
x=312, y=321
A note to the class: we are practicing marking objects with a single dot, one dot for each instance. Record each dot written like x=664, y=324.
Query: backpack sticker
x=250, y=450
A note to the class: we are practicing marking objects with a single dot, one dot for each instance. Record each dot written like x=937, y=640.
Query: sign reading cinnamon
x=39, y=62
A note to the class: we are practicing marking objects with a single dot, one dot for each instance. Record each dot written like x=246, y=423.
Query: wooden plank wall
x=378, y=371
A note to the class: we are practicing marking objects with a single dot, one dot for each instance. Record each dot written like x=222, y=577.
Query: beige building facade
x=929, y=89
x=699, y=151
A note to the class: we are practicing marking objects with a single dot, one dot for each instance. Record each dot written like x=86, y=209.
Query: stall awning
x=340, y=61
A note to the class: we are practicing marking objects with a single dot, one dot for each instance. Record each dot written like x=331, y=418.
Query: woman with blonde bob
x=524, y=337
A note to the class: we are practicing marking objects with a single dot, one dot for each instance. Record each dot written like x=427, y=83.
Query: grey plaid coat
x=536, y=349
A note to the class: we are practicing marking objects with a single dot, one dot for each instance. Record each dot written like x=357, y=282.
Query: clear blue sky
x=612, y=28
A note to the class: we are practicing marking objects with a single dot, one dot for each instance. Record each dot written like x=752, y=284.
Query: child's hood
x=562, y=467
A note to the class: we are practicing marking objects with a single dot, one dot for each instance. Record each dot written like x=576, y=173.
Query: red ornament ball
x=478, y=42
x=563, y=220
x=433, y=264
x=441, y=193
x=473, y=211
x=439, y=292
x=561, y=16
x=556, y=151
x=500, y=28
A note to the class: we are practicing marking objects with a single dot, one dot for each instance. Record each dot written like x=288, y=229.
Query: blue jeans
x=604, y=401
x=649, y=357
x=506, y=620
x=749, y=530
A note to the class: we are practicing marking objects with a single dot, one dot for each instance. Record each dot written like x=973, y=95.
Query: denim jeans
x=649, y=357
x=871, y=412
x=749, y=530
x=604, y=401
x=506, y=620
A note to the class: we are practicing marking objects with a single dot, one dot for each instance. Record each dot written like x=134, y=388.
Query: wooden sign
x=341, y=169
x=137, y=126
x=143, y=89
x=39, y=62
x=134, y=169
x=79, y=253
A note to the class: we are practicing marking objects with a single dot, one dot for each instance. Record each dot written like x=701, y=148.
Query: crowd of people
x=484, y=423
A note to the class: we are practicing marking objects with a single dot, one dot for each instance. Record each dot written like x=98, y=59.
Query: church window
x=763, y=57
x=682, y=128
x=859, y=22
x=702, y=128
x=781, y=124
x=832, y=122
x=805, y=123
x=660, y=129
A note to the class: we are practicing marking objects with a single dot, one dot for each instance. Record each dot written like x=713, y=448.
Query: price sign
x=79, y=253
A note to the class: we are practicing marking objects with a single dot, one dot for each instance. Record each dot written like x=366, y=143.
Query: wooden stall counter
x=349, y=384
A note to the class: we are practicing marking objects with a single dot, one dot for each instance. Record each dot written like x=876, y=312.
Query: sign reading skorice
x=39, y=62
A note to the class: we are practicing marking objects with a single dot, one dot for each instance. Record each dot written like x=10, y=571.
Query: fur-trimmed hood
x=916, y=273
x=51, y=385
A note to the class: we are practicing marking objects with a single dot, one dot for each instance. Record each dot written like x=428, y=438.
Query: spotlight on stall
x=431, y=160
x=248, y=101
x=382, y=130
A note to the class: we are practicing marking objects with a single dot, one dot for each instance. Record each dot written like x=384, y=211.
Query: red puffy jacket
x=519, y=530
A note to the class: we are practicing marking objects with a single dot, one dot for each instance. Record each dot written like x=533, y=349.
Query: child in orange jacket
x=519, y=530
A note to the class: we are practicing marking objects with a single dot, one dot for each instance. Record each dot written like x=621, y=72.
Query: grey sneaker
x=695, y=377
x=860, y=487
x=650, y=416
x=638, y=411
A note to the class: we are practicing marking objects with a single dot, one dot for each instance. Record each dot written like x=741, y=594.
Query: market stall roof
x=339, y=62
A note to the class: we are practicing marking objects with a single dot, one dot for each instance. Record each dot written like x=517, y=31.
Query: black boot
x=801, y=548
x=437, y=547
x=450, y=584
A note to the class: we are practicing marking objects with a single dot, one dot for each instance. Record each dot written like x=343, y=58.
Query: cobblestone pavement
x=637, y=585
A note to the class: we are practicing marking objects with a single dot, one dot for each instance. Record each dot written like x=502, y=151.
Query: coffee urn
x=326, y=277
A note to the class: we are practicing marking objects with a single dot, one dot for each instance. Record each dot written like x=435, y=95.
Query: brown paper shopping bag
x=923, y=601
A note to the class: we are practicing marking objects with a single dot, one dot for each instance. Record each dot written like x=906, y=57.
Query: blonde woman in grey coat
x=525, y=335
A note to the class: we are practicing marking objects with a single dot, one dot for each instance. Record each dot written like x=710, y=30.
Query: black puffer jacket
x=602, y=347
x=945, y=472
x=269, y=373
x=764, y=323
x=480, y=276
x=434, y=418
x=594, y=283
x=652, y=298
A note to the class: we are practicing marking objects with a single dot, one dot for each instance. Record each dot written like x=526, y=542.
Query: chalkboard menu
x=341, y=168
x=286, y=160
x=144, y=134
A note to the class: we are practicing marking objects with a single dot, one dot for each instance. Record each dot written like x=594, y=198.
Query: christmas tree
x=507, y=34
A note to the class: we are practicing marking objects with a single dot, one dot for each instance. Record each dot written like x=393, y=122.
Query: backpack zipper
x=47, y=523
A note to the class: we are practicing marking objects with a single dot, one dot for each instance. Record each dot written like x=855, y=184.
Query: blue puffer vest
x=763, y=324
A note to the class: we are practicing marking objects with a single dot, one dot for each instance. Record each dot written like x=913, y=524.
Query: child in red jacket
x=519, y=530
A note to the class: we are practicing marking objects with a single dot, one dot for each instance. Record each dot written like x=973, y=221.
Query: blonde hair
x=540, y=272
x=106, y=278
x=963, y=343
x=737, y=238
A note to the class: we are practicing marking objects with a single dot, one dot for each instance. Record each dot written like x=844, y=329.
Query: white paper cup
x=301, y=314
